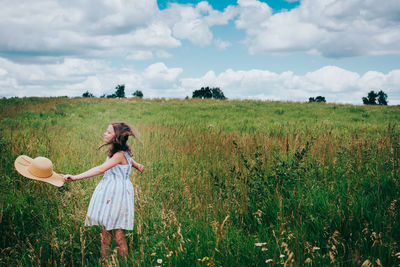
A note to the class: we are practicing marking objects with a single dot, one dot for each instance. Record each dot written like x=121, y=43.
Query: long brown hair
x=119, y=142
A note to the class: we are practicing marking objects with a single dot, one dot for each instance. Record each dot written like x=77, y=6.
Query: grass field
x=227, y=183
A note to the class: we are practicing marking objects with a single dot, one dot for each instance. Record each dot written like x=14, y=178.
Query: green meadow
x=227, y=183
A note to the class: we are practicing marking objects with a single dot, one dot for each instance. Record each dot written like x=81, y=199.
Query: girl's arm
x=137, y=166
x=117, y=158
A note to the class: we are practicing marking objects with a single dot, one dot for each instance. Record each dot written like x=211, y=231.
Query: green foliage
x=207, y=92
x=138, y=93
x=318, y=99
x=87, y=94
x=371, y=98
x=382, y=98
x=119, y=92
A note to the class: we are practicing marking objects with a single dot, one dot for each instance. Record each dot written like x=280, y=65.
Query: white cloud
x=338, y=28
x=336, y=84
x=159, y=76
x=74, y=76
x=81, y=28
x=194, y=22
x=222, y=45
x=140, y=55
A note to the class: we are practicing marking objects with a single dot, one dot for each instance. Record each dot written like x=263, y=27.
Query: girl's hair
x=119, y=142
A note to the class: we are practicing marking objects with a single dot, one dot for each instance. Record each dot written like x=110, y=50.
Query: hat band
x=39, y=173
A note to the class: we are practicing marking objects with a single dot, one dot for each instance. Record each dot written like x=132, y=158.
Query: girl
x=112, y=202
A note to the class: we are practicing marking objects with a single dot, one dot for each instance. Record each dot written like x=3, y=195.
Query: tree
x=120, y=91
x=371, y=98
x=87, y=94
x=207, y=92
x=112, y=96
x=138, y=93
x=382, y=98
x=318, y=99
x=217, y=93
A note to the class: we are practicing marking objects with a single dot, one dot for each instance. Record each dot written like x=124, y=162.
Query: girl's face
x=109, y=134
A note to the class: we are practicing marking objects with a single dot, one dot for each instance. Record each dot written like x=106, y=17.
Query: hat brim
x=22, y=164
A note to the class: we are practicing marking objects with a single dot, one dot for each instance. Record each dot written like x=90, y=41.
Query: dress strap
x=128, y=158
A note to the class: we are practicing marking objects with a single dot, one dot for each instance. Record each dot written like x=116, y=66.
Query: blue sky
x=251, y=49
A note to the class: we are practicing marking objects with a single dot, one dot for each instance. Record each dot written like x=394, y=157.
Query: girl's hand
x=69, y=177
x=140, y=167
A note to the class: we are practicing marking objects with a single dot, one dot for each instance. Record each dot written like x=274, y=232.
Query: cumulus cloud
x=159, y=76
x=336, y=84
x=330, y=28
x=193, y=22
x=74, y=76
x=61, y=28
x=75, y=28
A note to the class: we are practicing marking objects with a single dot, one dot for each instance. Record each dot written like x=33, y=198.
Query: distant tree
x=207, y=92
x=318, y=99
x=87, y=94
x=138, y=93
x=103, y=96
x=371, y=98
x=120, y=91
x=382, y=98
x=112, y=96
x=217, y=93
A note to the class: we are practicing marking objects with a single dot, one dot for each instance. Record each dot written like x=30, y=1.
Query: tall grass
x=227, y=183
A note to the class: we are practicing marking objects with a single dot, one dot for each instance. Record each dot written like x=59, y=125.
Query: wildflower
x=153, y=254
x=205, y=259
x=397, y=254
x=281, y=256
x=264, y=249
x=268, y=261
x=169, y=254
x=260, y=244
x=159, y=261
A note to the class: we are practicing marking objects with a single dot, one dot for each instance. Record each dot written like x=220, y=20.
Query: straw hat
x=39, y=168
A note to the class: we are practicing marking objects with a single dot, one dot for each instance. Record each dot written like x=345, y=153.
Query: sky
x=283, y=50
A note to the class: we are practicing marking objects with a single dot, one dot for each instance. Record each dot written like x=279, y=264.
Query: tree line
x=372, y=98
x=119, y=93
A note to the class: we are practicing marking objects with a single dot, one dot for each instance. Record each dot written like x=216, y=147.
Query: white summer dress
x=112, y=202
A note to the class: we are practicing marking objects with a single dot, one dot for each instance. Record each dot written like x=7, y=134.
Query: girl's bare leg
x=121, y=242
x=105, y=242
